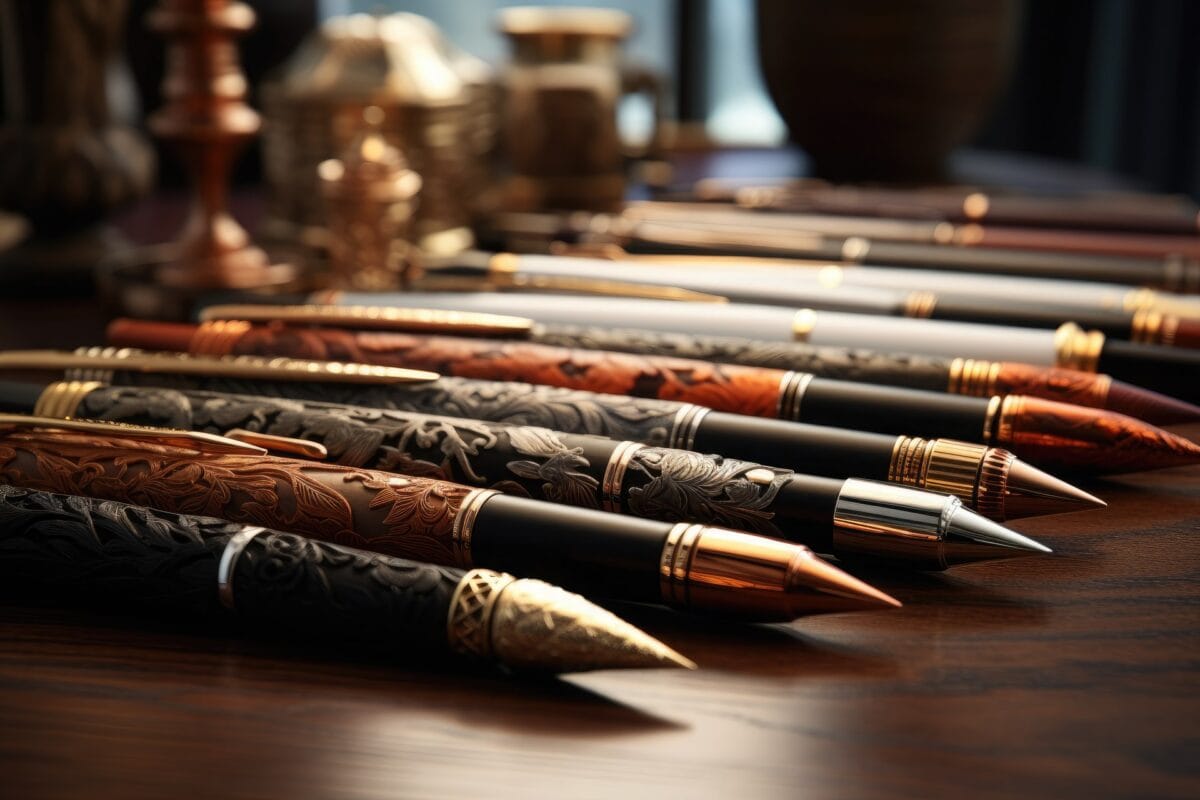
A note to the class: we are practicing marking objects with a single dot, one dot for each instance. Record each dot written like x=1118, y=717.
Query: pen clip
x=416, y=320
x=505, y=271
x=279, y=444
x=92, y=361
x=195, y=440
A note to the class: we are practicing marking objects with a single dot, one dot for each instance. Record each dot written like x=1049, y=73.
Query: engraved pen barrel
x=66, y=547
x=585, y=471
x=433, y=521
x=830, y=452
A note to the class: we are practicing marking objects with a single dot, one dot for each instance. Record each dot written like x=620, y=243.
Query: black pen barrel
x=862, y=406
x=604, y=555
x=1117, y=324
x=19, y=398
x=830, y=451
x=1171, y=370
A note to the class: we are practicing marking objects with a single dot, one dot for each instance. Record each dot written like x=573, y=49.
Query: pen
x=59, y=546
x=675, y=234
x=767, y=282
x=685, y=565
x=923, y=231
x=1165, y=369
x=985, y=478
x=841, y=517
x=1148, y=214
x=955, y=376
x=1055, y=434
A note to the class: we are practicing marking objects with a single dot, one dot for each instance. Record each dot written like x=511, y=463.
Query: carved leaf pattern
x=274, y=493
x=690, y=486
x=558, y=468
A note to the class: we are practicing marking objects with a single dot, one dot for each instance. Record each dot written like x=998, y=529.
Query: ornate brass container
x=314, y=110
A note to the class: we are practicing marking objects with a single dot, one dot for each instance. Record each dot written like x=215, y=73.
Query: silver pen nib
x=970, y=537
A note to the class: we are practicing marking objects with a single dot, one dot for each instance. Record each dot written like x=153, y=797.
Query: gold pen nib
x=822, y=588
x=533, y=625
x=1030, y=492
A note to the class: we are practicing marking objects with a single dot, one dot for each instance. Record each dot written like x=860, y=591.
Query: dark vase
x=884, y=90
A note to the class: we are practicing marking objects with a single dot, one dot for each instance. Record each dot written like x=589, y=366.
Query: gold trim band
x=973, y=377
x=937, y=465
x=675, y=563
x=469, y=623
x=62, y=398
x=1075, y=348
x=920, y=304
x=614, y=476
x=464, y=524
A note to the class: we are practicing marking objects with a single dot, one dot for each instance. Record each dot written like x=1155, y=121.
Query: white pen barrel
x=934, y=337
x=718, y=319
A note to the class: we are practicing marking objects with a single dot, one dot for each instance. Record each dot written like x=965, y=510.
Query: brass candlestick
x=207, y=120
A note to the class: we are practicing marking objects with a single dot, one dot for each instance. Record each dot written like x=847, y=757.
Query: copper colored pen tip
x=1088, y=439
x=1030, y=492
x=1155, y=407
x=818, y=587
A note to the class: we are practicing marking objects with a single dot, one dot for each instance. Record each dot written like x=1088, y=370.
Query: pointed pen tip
x=1031, y=492
x=970, y=537
x=821, y=588
x=542, y=627
x=1150, y=406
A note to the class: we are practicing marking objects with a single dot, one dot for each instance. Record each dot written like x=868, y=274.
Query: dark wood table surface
x=1065, y=676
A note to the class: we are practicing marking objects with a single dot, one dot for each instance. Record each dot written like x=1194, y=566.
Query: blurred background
x=1108, y=84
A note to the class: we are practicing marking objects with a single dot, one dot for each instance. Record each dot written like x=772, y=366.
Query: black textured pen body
x=569, y=469
x=827, y=451
x=61, y=547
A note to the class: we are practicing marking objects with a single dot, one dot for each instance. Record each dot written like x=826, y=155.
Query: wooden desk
x=1065, y=676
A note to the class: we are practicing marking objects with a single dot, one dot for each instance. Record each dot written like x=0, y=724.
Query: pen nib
x=970, y=537
x=1030, y=492
x=818, y=587
x=1155, y=407
x=538, y=626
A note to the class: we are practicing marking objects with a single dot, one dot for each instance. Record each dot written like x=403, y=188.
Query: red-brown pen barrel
x=151, y=335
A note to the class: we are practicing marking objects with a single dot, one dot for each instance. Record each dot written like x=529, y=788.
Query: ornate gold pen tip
x=825, y=589
x=532, y=625
x=1030, y=492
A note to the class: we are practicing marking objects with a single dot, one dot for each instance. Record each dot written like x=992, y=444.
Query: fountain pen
x=59, y=547
x=781, y=283
x=845, y=518
x=1165, y=369
x=685, y=565
x=1043, y=431
x=988, y=479
x=930, y=373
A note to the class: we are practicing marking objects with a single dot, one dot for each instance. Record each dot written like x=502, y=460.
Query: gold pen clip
x=204, y=442
x=92, y=361
x=414, y=320
x=280, y=444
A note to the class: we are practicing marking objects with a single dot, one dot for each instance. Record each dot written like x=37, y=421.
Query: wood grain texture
x=1067, y=676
